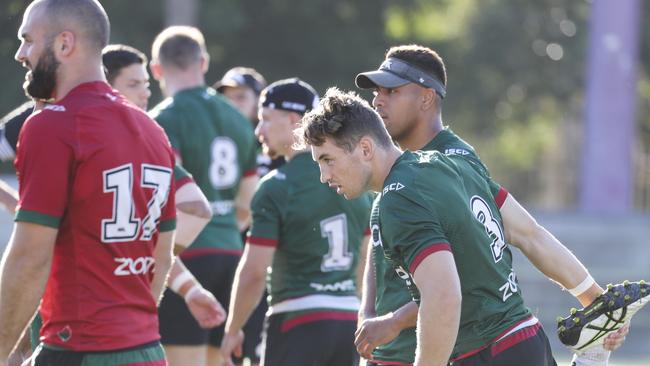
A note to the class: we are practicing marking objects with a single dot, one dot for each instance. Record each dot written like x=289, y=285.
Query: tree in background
x=516, y=68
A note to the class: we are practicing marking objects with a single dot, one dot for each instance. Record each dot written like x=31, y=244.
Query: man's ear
x=156, y=70
x=205, y=62
x=367, y=146
x=429, y=98
x=64, y=44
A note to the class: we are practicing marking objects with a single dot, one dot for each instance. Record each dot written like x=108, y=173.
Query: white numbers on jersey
x=484, y=214
x=130, y=266
x=509, y=287
x=123, y=226
x=338, y=258
x=224, y=167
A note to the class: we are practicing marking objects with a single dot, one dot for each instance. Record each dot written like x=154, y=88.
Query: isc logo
x=130, y=266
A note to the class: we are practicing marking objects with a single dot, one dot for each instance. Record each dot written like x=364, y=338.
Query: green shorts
x=150, y=354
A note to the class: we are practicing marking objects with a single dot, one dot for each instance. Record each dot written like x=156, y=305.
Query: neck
x=427, y=129
x=381, y=166
x=179, y=80
x=74, y=74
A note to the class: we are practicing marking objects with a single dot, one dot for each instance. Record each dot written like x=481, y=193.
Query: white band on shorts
x=180, y=280
x=583, y=286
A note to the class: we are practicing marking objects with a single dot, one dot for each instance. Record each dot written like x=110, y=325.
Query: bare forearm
x=247, y=291
x=439, y=316
x=243, y=200
x=21, y=288
x=544, y=250
x=559, y=264
x=163, y=262
x=368, y=288
x=160, y=277
x=362, y=267
x=438, y=322
x=407, y=315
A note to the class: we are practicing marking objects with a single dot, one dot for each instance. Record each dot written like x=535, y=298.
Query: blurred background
x=554, y=95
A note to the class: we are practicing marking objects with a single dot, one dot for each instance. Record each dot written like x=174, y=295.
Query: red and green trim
x=291, y=323
x=250, y=173
x=38, y=218
x=436, y=247
x=167, y=225
x=264, y=242
x=199, y=252
x=500, y=199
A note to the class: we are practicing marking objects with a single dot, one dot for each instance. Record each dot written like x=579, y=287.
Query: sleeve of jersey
x=170, y=124
x=265, y=227
x=412, y=229
x=181, y=176
x=498, y=192
x=168, y=216
x=44, y=167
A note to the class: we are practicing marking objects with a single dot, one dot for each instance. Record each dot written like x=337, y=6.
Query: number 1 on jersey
x=338, y=258
x=123, y=226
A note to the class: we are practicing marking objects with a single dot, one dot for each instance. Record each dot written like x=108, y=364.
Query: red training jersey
x=100, y=170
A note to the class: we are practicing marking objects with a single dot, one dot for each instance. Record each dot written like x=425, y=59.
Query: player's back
x=318, y=235
x=460, y=203
x=106, y=174
x=216, y=145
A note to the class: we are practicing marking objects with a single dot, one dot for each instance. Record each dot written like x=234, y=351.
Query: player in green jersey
x=415, y=123
x=215, y=143
x=242, y=86
x=310, y=238
x=438, y=215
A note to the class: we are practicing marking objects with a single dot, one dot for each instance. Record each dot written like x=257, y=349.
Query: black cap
x=393, y=73
x=293, y=95
x=241, y=76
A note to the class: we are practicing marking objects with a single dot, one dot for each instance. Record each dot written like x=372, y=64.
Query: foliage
x=516, y=68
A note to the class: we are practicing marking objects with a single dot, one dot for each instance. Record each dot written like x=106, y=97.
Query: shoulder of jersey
x=274, y=175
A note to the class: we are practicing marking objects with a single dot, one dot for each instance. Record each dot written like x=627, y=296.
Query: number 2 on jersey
x=123, y=226
x=338, y=258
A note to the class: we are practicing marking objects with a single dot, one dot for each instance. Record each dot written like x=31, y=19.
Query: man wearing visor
x=408, y=90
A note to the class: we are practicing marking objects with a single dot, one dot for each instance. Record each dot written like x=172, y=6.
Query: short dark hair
x=115, y=57
x=345, y=118
x=422, y=57
x=88, y=14
x=179, y=46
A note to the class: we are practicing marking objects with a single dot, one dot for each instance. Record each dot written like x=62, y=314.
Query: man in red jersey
x=96, y=210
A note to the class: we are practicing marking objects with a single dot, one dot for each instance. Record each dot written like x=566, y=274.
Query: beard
x=43, y=76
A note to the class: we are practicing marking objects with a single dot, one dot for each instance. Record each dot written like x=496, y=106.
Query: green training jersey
x=433, y=202
x=216, y=145
x=391, y=290
x=317, y=235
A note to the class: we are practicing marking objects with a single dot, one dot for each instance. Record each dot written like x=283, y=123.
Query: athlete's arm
x=23, y=274
x=363, y=263
x=204, y=307
x=162, y=255
x=368, y=287
x=8, y=197
x=243, y=200
x=192, y=214
x=439, y=316
x=374, y=332
x=545, y=252
x=247, y=290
